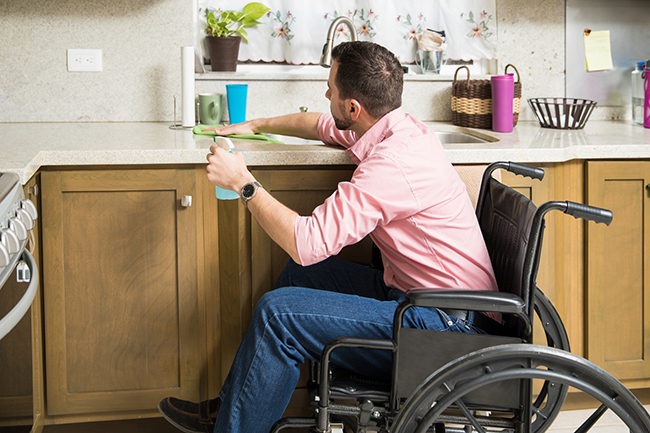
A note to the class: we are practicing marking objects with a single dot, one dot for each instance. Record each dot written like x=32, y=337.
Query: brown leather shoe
x=190, y=417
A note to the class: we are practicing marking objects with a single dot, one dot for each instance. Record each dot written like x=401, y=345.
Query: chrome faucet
x=326, y=57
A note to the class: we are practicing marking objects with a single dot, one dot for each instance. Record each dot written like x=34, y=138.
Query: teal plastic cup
x=226, y=194
x=236, y=95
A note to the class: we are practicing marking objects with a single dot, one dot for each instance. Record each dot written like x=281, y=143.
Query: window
x=293, y=31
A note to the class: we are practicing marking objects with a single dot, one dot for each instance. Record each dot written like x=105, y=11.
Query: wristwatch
x=248, y=191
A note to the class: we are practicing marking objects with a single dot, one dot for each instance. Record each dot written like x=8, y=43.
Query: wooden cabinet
x=145, y=298
x=123, y=327
x=618, y=260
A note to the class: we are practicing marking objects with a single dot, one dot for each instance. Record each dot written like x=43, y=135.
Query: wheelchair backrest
x=506, y=220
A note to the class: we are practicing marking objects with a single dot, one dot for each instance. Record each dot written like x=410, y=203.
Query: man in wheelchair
x=447, y=320
x=404, y=194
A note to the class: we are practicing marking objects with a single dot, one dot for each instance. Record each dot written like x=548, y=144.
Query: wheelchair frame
x=423, y=403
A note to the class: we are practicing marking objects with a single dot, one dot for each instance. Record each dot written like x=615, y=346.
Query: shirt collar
x=376, y=134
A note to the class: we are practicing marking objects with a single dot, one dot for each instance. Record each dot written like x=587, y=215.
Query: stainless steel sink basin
x=447, y=137
x=287, y=139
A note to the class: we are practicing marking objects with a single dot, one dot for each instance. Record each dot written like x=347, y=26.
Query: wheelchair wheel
x=427, y=405
x=551, y=397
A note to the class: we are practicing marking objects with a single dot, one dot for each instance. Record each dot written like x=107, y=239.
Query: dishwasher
x=18, y=287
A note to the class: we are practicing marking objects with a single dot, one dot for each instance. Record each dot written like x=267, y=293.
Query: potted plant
x=225, y=31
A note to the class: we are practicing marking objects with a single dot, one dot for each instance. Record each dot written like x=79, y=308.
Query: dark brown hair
x=371, y=74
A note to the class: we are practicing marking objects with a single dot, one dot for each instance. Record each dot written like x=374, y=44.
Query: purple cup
x=503, y=92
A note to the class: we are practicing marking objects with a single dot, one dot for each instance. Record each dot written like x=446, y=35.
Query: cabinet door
x=120, y=289
x=618, y=299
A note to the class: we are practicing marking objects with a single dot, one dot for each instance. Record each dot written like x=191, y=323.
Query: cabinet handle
x=186, y=201
x=647, y=186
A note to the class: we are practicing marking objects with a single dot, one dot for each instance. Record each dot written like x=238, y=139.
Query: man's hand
x=227, y=170
x=304, y=125
x=245, y=128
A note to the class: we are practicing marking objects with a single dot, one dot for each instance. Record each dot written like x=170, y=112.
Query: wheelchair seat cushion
x=351, y=385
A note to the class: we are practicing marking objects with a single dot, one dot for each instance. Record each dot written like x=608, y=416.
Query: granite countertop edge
x=27, y=148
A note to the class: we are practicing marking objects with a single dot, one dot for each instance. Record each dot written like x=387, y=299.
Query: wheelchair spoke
x=469, y=416
x=593, y=419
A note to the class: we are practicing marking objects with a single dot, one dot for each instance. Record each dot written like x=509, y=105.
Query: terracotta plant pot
x=223, y=52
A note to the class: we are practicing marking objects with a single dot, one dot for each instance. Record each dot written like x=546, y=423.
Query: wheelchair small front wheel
x=446, y=389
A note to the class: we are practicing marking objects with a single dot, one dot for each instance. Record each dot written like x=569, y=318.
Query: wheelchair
x=454, y=382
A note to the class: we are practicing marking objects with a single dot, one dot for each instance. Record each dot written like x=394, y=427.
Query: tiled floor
x=568, y=421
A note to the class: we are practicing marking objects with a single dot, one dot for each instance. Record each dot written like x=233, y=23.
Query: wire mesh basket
x=562, y=113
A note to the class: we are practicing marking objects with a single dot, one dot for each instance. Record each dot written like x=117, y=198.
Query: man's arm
x=277, y=220
x=303, y=125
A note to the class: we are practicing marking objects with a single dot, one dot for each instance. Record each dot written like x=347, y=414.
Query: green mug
x=210, y=108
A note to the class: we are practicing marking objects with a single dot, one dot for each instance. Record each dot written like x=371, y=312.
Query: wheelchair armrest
x=475, y=300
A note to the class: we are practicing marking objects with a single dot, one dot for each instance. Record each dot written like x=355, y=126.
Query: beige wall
x=141, y=42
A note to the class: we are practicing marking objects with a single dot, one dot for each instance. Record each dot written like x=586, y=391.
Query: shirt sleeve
x=377, y=193
x=328, y=133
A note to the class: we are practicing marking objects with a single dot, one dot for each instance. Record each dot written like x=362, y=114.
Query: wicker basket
x=471, y=101
x=562, y=113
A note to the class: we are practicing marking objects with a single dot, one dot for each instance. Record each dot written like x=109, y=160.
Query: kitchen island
x=147, y=293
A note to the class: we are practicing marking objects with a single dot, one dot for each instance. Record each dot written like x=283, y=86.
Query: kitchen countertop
x=26, y=147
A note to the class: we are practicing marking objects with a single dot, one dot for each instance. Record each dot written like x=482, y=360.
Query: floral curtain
x=294, y=31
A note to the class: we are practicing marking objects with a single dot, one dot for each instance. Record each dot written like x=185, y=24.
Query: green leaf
x=232, y=22
x=249, y=23
x=255, y=10
x=235, y=15
x=241, y=32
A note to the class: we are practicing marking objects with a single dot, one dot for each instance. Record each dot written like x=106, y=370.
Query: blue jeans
x=294, y=322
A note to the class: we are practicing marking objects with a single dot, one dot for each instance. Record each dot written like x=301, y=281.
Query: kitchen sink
x=287, y=139
x=447, y=137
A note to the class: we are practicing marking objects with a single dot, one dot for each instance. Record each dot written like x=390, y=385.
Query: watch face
x=248, y=190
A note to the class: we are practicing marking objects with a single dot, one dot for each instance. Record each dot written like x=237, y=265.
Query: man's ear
x=354, y=109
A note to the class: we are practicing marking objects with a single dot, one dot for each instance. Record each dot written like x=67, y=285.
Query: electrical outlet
x=84, y=60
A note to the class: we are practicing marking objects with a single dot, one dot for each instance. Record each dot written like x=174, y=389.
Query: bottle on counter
x=638, y=93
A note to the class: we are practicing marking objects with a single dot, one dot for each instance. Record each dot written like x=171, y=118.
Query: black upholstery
x=506, y=220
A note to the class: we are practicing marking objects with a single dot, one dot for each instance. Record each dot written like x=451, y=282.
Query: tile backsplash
x=141, y=46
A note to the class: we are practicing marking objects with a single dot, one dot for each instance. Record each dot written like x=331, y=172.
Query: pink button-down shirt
x=408, y=197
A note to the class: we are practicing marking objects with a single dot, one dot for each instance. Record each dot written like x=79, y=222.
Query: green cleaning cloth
x=199, y=129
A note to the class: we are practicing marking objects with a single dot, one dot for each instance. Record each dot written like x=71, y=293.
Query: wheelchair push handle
x=513, y=167
x=590, y=213
x=526, y=170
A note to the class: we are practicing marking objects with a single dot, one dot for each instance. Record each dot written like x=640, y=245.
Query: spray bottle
x=638, y=93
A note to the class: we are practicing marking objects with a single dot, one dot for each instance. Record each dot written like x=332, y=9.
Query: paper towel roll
x=187, y=87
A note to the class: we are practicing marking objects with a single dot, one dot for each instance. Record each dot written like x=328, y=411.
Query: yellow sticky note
x=598, y=50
